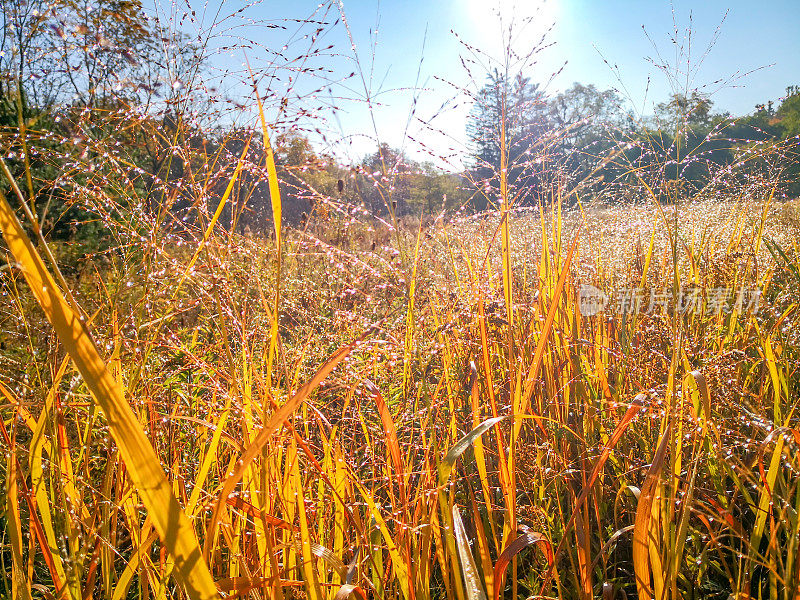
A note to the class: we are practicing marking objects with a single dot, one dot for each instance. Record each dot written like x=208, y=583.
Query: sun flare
x=490, y=21
x=540, y=13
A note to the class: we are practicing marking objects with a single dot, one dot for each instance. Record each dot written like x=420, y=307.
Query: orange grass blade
x=309, y=566
x=54, y=568
x=642, y=527
x=514, y=548
x=401, y=572
x=536, y=363
x=409, y=339
x=392, y=443
x=635, y=408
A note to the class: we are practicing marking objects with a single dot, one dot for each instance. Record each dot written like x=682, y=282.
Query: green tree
x=788, y=113
x=682, y=111
x=516, y=110
x=589, y=124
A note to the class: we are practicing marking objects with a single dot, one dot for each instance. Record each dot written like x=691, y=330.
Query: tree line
x=99, y=101
x=586, y=140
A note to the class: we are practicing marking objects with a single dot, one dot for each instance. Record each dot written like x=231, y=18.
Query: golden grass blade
x=445, y=468
x=38, y=230
x=277, y=216
x=39, y=443
x=769, y=478
x=409, y=339
x=188, y=268
x=392, y=443
x=208, y=460
x=480, y=455
x=482, y=543
x=56, y=572
x=765, y=496
x=648, y=258
x=145, y=470
x=375, y=555
x=778, y=382
x=339, y=511
x=583, y=551
x=536, y=363
x=309, y=568
x=505, y=236
x=635, y=408
x=400, y=568
x=214, y=218
x=274, y=188
x=125, y=579
x=71, y=500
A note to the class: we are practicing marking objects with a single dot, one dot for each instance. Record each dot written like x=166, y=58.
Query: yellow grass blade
x=309, y=569
x=35, y=525
x=39, y=443
x=277, y=210
x=482, y=543
x=274, y=188
x=208, y=460
x=409, y=341
x=20, y=586
x=536, y=363
x=622, y=426
x=392, y=443
x=140, y=459
x=480, y=455
x=400, y=568
x=214, y=218
x=124, y=582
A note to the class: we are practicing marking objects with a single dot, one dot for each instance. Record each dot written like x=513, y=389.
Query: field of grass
x=420, y=413
x=588, y=391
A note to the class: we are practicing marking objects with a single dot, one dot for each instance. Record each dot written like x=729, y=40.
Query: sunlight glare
x=530, y=19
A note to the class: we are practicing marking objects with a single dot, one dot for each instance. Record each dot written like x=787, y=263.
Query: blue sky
x=610, y=43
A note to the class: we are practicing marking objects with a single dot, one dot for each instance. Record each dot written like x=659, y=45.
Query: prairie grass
x=685, y=424
x=362, y=408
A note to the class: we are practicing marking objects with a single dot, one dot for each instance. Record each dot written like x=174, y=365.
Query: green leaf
x=446, y=466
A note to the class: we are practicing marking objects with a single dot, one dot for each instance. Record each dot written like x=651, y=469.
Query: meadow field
x=232, y=366
x=411, y=437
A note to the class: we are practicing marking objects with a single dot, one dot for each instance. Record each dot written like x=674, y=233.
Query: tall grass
x=365, y=409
